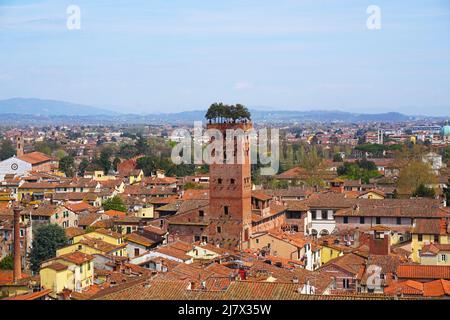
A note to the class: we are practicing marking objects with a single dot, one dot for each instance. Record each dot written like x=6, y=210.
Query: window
x=313, y=215
x=362, y=220
x=196, y=238
x=204, y=239
x=225, y=210
x=346, y=220
x=219, y=181
x=436, y=238
x=136, y=252
x=219, y=229
x=89, y=266
x=419, y=237
x=324, y=215
x=443, y=257
x=399, y=220
x=232, y=181
x=346, y=283
x=257, y=240
x=378, y=220
x=201, y=213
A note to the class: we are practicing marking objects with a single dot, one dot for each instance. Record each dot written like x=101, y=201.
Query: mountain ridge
x=49, y=111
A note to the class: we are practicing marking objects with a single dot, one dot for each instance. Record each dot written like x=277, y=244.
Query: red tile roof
x=423, y=272
x=115, y=213
x=34, y=157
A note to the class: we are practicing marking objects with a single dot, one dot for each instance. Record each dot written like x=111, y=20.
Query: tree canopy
x=7, y=149
x=7, y=263
x=423, y=191
x=413, y=175
x=67, y=165
x=223, y=113
x=47, y=239
x=114, y=203
x=361, y=169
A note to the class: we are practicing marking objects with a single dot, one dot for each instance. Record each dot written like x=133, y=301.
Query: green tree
x=414, y=174
x=104, y=161
x=84, y=164
x=423, y=191
x=116, y=163
x=128, y=151
x=7, y=263
x=43, y=147
x=142, y=146
x=147, y=164
x=67, y=165
x=47, y=239
x=337, y=157
x=7, y=150
x=114, y=203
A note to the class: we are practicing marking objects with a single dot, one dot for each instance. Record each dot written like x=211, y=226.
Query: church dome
x=445, y=131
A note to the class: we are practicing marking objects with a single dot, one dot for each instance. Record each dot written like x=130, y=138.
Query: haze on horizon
x=168, y=56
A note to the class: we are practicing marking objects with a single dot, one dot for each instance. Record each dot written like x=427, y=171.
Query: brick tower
x=19, y=144
x=230, y=189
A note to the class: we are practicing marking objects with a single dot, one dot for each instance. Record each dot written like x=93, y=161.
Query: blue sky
x=171, y=55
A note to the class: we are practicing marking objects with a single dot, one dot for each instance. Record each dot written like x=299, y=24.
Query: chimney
x=17, y=273
x=379, y=242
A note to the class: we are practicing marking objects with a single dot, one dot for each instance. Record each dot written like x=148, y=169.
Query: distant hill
x=36, y=111
x=38, y=107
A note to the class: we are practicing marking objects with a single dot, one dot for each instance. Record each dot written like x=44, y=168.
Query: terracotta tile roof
x=296, y=205
x=109, y=233
x=136, y=238
x=434, y=249
x=31, y=296
x=43, y=209
x=329, y=200
x=72, y=232
x=101, y=245
x=88, y=219
x=76, y=257
x=163, y=200
x=172, y=252
x=80, y=206
x=423, y=272
x=196, y=194
x=437, y=288
x=76, y=196
x=412, y=208
x=430, y=226
x=57, y=266
x=115, y=213
x=261, y=195
x=408, y=287
x=349, y=262
x=239, y=290
x=299, y=192
x=155, y=230
x=39, y=185
x=34, y=157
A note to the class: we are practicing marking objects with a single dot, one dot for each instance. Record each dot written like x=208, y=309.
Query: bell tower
x=230, y=189
x=19, y=144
